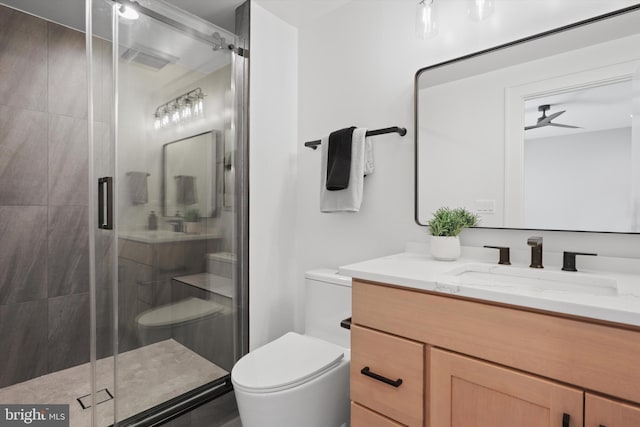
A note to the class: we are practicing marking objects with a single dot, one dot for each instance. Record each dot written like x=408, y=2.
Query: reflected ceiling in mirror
x=541, y=133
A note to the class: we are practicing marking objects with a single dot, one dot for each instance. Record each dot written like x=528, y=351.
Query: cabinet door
x=466, y=392
x=601, y=412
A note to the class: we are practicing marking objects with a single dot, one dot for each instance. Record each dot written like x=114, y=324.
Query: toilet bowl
x=301, y=380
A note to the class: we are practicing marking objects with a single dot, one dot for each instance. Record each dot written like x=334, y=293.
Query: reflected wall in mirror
x=192, y=175
x=542, y=133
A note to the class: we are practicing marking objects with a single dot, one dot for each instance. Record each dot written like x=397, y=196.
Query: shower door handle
x=105, y=203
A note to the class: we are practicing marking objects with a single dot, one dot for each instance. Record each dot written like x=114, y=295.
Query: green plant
x=450, y=222
x=192, y=215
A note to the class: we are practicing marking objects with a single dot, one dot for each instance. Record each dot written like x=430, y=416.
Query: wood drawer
x=362, y=417
x=394, y=358
x=600, y=411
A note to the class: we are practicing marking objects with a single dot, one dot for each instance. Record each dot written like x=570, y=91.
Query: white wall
x=579, y=181
x=273, y=133
x=356, y=66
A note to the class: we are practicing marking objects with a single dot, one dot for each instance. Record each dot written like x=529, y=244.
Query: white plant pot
x=192, y=227
x=445, y=248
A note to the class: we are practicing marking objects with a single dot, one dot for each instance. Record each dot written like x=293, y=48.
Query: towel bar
x=394, y=129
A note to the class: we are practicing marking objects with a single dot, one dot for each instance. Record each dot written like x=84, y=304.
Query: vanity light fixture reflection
x=127, y=11
x=479, y=10
x=426, y=20
x=185, y=107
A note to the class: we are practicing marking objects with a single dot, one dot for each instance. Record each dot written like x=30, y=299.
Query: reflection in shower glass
x=116, y=323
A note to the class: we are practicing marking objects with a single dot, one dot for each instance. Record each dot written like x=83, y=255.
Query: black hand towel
x=339, y=159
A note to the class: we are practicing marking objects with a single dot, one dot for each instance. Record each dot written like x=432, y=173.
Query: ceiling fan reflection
x=545, y=120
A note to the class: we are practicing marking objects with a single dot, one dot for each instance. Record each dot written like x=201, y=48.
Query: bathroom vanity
x=429, y=349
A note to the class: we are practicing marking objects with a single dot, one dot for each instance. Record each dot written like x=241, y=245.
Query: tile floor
x=147, y=376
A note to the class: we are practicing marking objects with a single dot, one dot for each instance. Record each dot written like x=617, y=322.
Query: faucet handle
x=569, y=260
x=534, y=241
x=504, y=254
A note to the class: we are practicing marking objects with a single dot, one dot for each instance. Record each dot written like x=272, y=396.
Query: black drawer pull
x=566, y=418
x=366, y=371
x=602, y=425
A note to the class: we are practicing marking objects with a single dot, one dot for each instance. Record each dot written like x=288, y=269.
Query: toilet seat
x=287, y=362
x=179, y=312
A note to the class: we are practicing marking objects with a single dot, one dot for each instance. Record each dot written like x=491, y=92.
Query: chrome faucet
x=536, y=251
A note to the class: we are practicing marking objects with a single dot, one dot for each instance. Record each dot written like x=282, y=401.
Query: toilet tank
x=327, y=303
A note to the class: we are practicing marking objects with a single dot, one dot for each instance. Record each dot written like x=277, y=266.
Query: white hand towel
x=349, y=199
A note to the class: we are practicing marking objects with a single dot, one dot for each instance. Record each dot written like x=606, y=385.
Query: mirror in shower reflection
x=191, y=178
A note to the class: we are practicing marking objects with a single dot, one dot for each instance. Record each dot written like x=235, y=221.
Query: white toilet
x=302, y=380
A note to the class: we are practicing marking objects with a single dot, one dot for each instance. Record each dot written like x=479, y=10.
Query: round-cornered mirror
x=541, y=133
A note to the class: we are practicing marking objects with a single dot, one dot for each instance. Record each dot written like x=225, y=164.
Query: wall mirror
x=192, y=175
x=542, y=133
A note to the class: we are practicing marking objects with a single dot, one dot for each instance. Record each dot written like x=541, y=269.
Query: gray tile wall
x=44, y=271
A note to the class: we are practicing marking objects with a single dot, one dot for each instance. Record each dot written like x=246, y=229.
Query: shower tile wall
x=44, y=276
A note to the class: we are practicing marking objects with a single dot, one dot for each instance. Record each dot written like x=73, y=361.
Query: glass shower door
x=166, y=255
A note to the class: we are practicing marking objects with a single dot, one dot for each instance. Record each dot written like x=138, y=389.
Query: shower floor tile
x=147, y=376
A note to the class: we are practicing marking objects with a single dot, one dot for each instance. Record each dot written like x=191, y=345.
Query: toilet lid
x=289, y=361
x=179, y=312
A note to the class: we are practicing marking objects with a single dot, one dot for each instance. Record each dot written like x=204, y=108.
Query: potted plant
x=192, y=221
x=445, y=226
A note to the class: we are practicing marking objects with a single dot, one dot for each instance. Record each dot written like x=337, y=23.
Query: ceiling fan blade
x=536, y=126
x=548, y=119
x=560, y=125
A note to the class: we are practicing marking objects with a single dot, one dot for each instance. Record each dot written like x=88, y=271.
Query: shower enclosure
x=123, y=266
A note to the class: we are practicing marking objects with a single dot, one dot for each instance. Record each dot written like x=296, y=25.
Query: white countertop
x=165, y=236
x=418, y=270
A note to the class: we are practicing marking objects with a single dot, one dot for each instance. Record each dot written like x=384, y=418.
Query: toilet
x=302, y=380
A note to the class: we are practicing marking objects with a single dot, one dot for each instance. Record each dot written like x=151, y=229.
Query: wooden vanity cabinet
x=486, y=365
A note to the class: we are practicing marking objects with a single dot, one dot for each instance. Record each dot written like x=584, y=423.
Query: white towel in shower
x=350, y=198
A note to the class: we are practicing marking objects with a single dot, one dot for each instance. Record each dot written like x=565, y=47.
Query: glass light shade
x=480, y=10
x=426, y=19
x=127, y=12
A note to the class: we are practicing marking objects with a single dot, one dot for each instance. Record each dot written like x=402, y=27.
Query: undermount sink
x=502, y=277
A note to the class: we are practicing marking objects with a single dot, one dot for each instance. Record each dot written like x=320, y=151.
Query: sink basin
x=501, y=277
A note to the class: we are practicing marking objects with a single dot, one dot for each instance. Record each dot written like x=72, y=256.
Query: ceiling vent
x=148, y=57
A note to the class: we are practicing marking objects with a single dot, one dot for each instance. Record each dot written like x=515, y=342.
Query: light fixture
x=426, y=22
x=127, y=11
x=179, y=110
x=479, y=10
x=427, y=19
